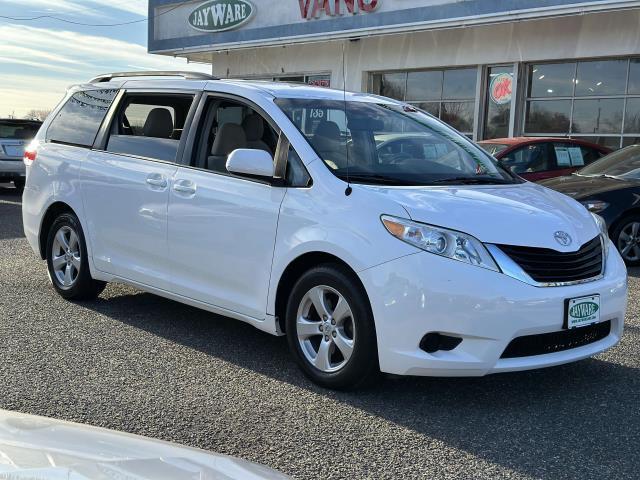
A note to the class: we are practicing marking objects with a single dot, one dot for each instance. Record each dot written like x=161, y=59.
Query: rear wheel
x=330, y=329
x=626, y=237
x=67, y=260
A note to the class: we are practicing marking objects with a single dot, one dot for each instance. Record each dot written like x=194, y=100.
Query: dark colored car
x=537, y=158
x=610, y=187
x=15, y=135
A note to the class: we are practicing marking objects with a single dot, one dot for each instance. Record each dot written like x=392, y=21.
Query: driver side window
x=228, y=125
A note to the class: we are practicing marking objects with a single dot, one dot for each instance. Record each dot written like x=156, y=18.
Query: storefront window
x=393, y=85
x=498, y=100
x=548, y=116
x=598, y=100
x=634, y=76
x=424, y=86
x=606, y=77
x=632, y=118
x=551, y=80
x=598, y=116
x=449, y=94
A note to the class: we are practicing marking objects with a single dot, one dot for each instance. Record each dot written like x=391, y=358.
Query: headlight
x=604, y=232
x=595, y=206
x=441, y=241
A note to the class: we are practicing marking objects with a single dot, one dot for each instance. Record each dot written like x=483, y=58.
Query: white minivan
x=372, y=235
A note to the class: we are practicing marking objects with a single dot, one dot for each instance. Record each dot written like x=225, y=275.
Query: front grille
x=531, y=345
x=549, y=266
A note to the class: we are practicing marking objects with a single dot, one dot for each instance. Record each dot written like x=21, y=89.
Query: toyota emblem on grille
x=563, y=238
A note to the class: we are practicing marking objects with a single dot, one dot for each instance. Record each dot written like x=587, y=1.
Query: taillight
x=29, y=156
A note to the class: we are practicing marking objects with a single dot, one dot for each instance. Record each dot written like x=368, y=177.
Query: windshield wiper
x=373, y=178
x=473, y=181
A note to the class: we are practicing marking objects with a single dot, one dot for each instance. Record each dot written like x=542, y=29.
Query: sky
x=40, y=59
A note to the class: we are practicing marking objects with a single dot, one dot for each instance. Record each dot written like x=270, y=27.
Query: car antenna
x=349, y=190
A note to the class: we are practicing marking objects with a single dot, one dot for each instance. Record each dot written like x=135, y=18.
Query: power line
x=73, y=22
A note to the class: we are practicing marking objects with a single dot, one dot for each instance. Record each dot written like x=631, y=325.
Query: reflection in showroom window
x=448, y=94
x=597, y=100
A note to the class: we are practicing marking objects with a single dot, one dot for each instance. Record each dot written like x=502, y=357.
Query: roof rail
x=107, y=77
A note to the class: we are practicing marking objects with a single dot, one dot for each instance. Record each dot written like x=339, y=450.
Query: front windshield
x=378, y=143
x=493, y=148
x=624, y=163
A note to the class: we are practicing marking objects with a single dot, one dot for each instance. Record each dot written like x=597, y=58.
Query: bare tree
x=37, y=114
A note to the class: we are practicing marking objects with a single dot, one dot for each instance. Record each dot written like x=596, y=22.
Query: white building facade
x=490, y=68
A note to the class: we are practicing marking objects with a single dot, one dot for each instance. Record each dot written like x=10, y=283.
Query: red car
x=538, y=158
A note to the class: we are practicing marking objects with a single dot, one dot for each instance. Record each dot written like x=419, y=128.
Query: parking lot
x=136, y=362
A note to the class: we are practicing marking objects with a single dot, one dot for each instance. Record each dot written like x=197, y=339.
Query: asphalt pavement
x=136, y=362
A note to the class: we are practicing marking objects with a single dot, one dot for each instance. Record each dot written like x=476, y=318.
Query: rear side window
x=79, y=120
x=150, y=125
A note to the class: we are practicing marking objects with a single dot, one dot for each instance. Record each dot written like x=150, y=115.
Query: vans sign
x=221, y=15
x=310, y=9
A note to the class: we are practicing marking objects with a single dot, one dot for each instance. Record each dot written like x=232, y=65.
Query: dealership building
x=490, y=68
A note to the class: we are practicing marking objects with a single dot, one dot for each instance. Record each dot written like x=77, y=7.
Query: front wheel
x=330, y=329
x=626, y=237
x=67, y=260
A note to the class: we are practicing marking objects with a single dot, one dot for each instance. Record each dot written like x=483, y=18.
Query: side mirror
x=246, y=161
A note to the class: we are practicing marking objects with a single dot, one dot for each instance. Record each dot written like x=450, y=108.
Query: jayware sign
x=221, y=15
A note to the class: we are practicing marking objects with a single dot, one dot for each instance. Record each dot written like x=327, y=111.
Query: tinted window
x=80, y=118
x=529, y=159
x=150, y=126
x=18, y=129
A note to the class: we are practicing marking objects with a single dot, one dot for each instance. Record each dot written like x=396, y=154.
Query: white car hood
x=523, y=214
x=35, y=447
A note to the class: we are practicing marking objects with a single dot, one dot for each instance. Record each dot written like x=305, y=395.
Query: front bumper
x=423, y=293
x=10, y=168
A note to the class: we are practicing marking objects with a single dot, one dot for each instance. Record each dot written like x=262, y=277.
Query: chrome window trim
x=510, y=268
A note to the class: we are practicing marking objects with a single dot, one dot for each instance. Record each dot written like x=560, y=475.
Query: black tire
x=362, y=367
x=83, y=286
x=620, y=227
x=19, y=183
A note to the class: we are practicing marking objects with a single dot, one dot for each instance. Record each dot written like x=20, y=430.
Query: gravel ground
x=135, y=362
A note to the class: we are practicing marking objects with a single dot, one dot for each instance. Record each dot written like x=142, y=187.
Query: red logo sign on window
x=501, y=88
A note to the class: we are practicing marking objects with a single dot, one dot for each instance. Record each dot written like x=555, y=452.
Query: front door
x=222, y=228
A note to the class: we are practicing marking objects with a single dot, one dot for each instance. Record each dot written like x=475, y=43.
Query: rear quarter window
x=79, y=120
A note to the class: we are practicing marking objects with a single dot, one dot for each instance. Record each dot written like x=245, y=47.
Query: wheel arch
x=622, y=217
x=296, y=268
x=53, y=211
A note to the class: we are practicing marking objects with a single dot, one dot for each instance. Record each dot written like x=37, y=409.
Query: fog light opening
x=435, y=342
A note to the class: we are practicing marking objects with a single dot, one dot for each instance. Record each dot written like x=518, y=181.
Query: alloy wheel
x=629, y=242
x=66, y=256
x=325, y=328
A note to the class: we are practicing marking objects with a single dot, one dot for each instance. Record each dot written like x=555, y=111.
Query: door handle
x=157, y=180
x=186, y=187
